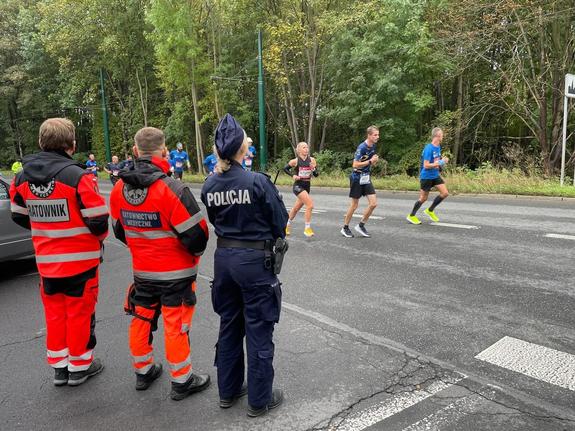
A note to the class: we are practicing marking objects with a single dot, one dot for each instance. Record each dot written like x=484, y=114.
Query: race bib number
x=364, y=179
x=115, y=173
x=304, y=172
x=179, y=164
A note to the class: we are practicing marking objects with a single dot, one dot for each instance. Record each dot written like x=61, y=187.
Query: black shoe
x=346, y=231
x=277, y=399
x=196, y=383
x=144, y=381
x=226, y=403
x=61, y=376
x=76, y=378
x=362, y=231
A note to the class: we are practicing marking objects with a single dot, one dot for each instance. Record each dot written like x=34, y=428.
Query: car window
x=4, y=192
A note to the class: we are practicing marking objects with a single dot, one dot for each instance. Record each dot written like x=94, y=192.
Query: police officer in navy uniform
x=248, y=215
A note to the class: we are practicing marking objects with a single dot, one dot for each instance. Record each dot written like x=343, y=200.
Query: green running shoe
x=431, y=215
x=413, y=219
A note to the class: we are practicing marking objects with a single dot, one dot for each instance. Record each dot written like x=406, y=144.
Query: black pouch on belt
x=280, y=249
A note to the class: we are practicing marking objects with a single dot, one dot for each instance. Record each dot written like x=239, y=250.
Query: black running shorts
x=427, y=185
x=356, y=190
x=301, y=186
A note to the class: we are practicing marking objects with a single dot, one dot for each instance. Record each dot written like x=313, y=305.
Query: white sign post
x=569, y=93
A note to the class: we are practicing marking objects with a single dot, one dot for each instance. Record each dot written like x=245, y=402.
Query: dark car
x=15, y=242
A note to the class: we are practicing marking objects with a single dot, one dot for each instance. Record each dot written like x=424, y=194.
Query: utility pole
x=262, y=106
x=105, y=118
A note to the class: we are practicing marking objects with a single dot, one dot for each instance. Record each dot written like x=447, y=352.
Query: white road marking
x=390, y=407
x=559, y=236
x=313, y=211
x=447, y=415
x=457, y=226
x=542, y=363
x=371, y=217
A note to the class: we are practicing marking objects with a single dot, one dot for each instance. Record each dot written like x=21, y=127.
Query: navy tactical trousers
x=247, y=297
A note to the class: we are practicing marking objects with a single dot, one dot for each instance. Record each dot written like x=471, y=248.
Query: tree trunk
x=457, y=137
x=143, y=97
x=199, y=146
x=15, y=126
x=323, y=134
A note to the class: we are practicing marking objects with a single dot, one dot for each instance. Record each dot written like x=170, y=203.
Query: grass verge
x=472, y=182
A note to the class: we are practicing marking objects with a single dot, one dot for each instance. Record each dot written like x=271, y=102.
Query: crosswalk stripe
x=371, y=217
x=559, y=236
x=391, y=406
x=457, y=226
x=541, y=363
x=447, y=415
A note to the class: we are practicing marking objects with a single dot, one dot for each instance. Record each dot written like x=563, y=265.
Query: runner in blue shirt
x=178, y=158
x=210, y=163
x=249, y=157
x=92, y=165
x=430, y=176
x=360, y=182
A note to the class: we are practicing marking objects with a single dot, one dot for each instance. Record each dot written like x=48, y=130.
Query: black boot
x=226, y=403
x=60, y=376
x=76, y=378
x=196, y=383
x=144, y=381
x=277, y=399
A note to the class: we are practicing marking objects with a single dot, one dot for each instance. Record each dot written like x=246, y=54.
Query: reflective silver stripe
x=75, y=368
x=150, y=234
x=61, y=233
x=144, y=370
x=84, y=357
x=143, y=358
x=18, y=209
x=57, y=353
x=185, y=328
x=189, y=223
x=179, y=365
x=182, y=379
x=67, y=257
x=94, y=211
x=60, y=364
x=167, y=275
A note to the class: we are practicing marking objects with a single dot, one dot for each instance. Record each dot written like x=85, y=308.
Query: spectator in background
x=92, y=165
x=249, y=157
x=210, y=163
x=178, y=158
x=127, y=164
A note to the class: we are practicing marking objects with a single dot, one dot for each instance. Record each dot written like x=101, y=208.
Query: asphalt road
x=393, y=332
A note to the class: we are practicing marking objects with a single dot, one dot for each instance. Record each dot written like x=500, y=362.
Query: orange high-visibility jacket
x=159, y=219
x=56, y=198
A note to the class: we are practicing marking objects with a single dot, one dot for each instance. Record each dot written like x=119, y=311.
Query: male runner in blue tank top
x=360, y=183
x=430, y=176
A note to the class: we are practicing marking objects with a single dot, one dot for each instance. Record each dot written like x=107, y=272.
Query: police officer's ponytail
x=223, y=165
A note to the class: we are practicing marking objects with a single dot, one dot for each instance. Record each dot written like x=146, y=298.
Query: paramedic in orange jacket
x=59, y=201
x=160, y=221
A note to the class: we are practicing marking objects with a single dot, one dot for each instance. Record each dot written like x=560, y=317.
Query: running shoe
x=363, y=231
x=413, y=219
x=308, y=232
x=288, y=230
x=345, y=231
x=431, y=215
